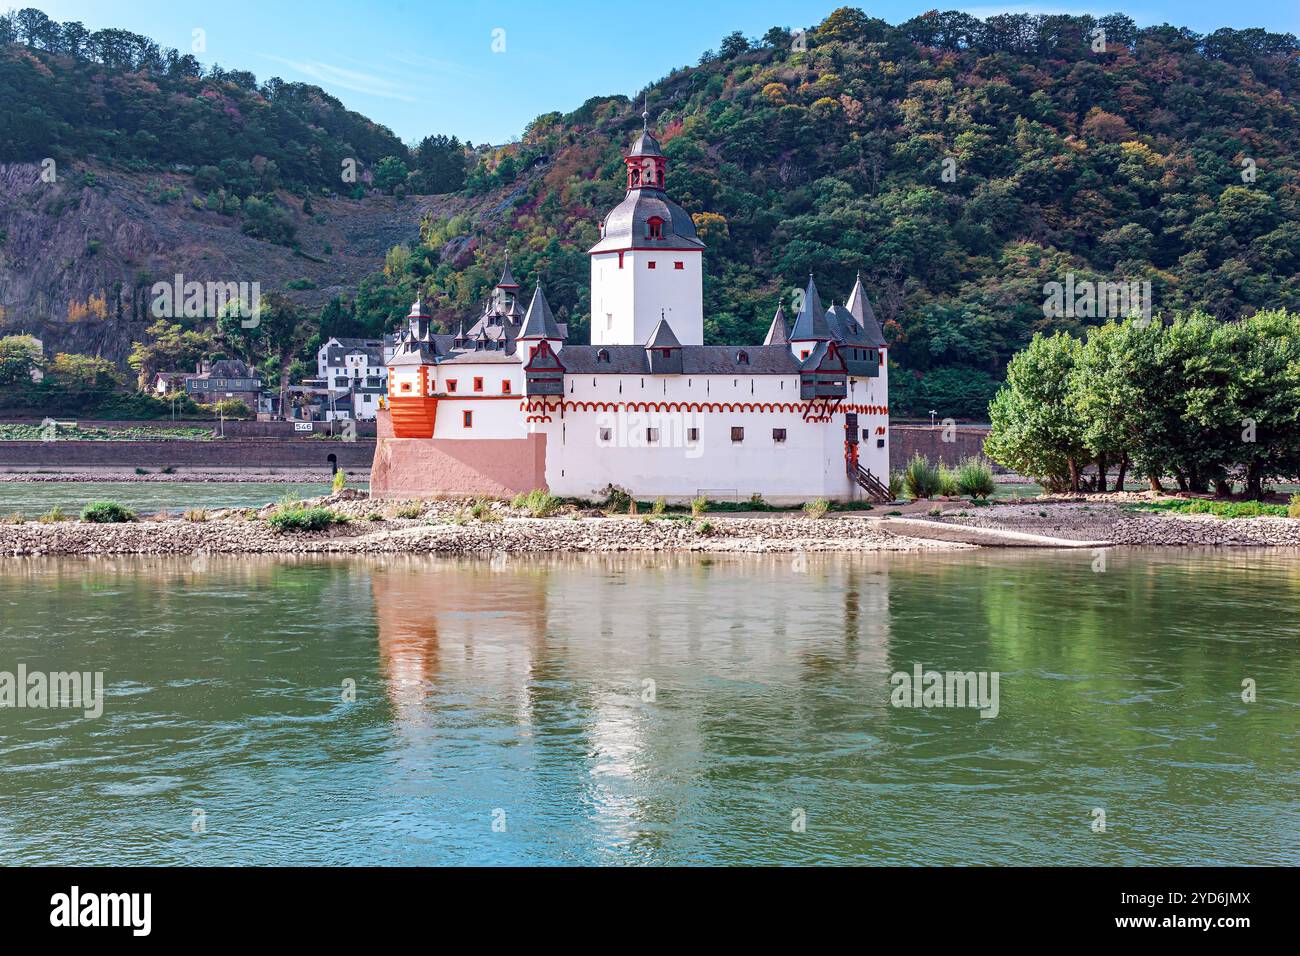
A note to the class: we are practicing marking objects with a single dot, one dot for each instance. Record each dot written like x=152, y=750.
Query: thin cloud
x=328, y=74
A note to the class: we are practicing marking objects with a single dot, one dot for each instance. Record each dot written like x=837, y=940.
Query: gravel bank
x=1106, y=521
x=447, y=528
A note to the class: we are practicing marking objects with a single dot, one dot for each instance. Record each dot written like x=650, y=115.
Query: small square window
x=451, y=385
x=406, y=386
x=738, y=434
x=778, y=435
x=803, y=354
x=468, y=419
x=679, y=265
x=651, y=435
x=880, y=443
x=478, y=384
x=692, y=434
x=606, y=435
x=650, y=264
x=866, y=434
x=505, y=386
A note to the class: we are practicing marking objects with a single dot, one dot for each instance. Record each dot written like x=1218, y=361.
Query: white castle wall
x=627, y=303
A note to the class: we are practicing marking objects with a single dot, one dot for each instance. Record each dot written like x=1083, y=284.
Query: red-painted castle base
x=433, y=467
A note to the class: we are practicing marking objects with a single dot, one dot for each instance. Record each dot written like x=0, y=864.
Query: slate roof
x=778, y=333
x=663, y=337
x=646, y=145
x=859, y=307
x=539, y=323
x=625, y=226
x=811, y=322
x=696, y=360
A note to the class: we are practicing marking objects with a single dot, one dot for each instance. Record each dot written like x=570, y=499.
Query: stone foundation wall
x=433, y=467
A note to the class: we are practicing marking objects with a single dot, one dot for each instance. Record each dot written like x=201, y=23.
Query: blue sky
x=429, y=67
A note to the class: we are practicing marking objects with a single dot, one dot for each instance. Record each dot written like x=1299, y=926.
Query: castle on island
x=508, y=404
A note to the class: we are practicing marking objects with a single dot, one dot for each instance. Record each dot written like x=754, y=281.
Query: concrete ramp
x=987, y=537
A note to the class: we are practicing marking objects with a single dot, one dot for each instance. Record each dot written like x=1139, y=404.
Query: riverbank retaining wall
x=222, y=453
x=936, y=444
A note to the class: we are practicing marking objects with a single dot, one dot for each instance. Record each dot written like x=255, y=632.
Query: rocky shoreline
x=458, y=527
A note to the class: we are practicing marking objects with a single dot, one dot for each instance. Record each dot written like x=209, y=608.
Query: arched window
x=742, y=357
x=654, y=228
x=603, y=356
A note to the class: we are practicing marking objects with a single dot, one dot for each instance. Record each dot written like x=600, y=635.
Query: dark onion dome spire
x=646, y=218
x=779, y=332
x=539, y=323
x=811, y=325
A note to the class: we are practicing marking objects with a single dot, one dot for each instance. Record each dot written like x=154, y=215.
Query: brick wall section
x=907, y=440
x=220, y=453
x=434, y=467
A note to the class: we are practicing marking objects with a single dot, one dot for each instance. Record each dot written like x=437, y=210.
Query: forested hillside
x=959, y=164
x=1165, y=157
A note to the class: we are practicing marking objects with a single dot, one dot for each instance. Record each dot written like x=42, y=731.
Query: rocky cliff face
x=79, y=254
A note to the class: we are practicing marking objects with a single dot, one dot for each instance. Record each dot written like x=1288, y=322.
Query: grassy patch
x=1219, y=509
x=107, y=512
x=290, y=518
x=816, y=508
x=539, y=503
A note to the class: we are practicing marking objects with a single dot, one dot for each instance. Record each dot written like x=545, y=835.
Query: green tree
x=1036, y=429
x=20, y=359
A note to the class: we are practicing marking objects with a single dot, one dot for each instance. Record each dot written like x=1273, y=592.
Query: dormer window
x=654, y=228
x=603, y=356
x=742, y=358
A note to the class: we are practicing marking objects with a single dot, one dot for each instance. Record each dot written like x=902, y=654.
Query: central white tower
x=648, y=263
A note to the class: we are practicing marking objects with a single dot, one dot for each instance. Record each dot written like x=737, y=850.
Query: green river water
x=504, y=711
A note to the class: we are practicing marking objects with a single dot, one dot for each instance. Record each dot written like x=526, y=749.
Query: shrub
x=482, y=510
x=895, y=485
x=196, y=515
x=699, y=506
x=631, y=507
x=659, y=507
x=756, y=502
x=409, y=511
x=616, y=499
x=288, y=518
x=816, y=508
x=142, y=471
x=975, y=478
x=13, y=518
x=340, y=481
x=1293, y=509
x=539, y=503
x=947, y=482
x=374, y=516
x=920, y=478
x=107, y=512
x=705, y=528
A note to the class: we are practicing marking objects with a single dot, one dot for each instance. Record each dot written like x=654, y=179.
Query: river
x=655, y=709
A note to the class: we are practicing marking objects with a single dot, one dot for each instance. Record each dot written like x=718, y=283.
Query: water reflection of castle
x=613, y=622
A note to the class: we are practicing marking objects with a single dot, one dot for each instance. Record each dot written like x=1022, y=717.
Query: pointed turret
x=779, y=332
x=811, y=326
x=663, y=336
x=539, y=323
x=507, y=280
x=664, y=350
x=859, y=306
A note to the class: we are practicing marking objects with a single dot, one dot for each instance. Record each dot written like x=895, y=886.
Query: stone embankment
x=447, y=527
